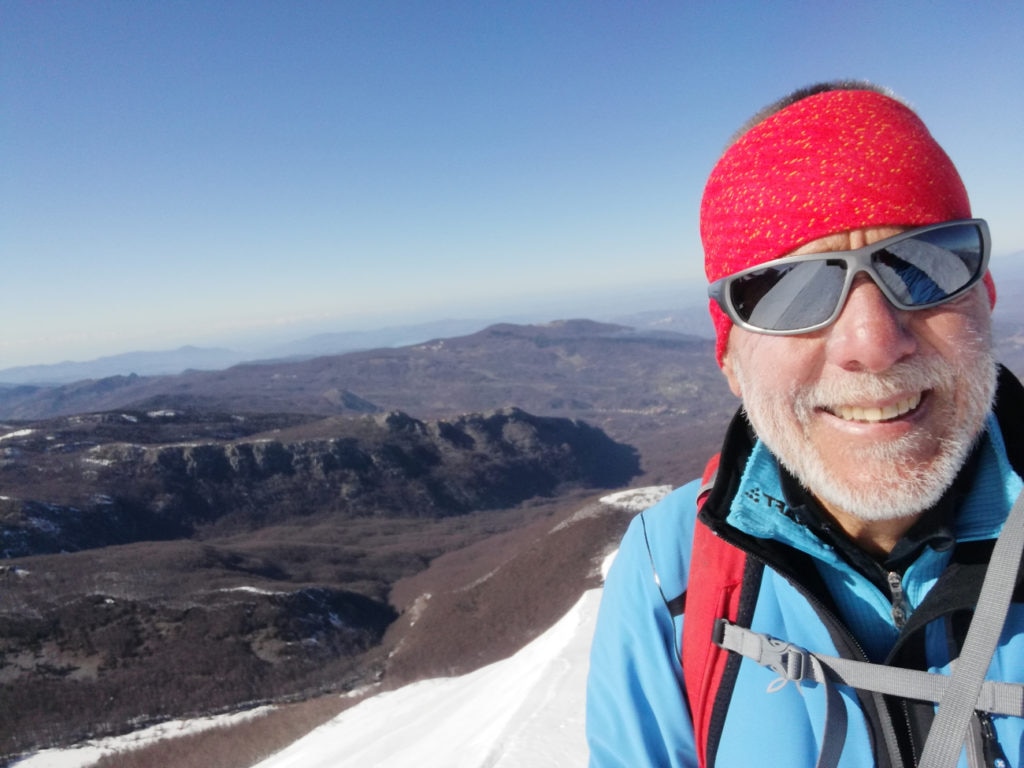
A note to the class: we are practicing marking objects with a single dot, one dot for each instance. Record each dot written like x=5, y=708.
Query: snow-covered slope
x=523, y=712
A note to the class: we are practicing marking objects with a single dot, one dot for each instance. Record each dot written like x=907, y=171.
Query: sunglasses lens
x=933, y=266
x=790, y=296
x=922, y=269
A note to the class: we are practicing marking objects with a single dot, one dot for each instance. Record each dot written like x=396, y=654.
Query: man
x=861, y=487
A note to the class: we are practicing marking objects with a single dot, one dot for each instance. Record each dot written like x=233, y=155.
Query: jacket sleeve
x=636, y=708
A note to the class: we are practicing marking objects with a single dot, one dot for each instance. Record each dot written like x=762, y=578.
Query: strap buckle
x=790, y=662
x=786, y=660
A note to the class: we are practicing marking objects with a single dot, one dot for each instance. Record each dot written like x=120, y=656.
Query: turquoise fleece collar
x=759, y=508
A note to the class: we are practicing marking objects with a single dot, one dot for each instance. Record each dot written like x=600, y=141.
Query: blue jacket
x=637, y=713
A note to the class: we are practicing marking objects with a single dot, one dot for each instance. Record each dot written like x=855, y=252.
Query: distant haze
x=683, y=309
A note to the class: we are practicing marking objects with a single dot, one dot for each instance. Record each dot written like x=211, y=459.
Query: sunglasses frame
x=856, y=261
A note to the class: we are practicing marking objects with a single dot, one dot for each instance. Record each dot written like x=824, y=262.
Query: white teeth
x=873, y=414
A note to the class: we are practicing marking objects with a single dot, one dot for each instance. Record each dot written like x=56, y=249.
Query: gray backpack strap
x=795, y=664
x=958, y=694
x=949, y=728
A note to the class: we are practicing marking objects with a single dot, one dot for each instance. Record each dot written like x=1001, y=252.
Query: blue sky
x=186, y=172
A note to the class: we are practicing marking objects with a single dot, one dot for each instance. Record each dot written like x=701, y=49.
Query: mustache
x=912, y=376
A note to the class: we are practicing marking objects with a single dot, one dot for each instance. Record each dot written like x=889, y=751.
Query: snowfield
x=523, y=712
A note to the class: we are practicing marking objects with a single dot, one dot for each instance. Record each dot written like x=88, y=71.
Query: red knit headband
x=829, y=163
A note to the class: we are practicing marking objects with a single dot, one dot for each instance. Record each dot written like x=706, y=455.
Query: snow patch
x=252, y=590
x=632, y=500
x=606, y=564
x=97, y=462
x=478, y=582
x=91, y=751
x=17, y=433
x=637, y=499
x=417, y=608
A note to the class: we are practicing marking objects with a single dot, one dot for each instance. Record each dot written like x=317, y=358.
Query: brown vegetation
x=486, y=601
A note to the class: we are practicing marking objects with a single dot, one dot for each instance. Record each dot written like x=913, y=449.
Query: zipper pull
x=991, y=750
x=898, y=598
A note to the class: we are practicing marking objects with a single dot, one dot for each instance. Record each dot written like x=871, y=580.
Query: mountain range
x=690, y=320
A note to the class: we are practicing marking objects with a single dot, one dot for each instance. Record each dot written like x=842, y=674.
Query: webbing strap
x=795, y=664
x=958, y=694
x=833, y=739
x=946, y=737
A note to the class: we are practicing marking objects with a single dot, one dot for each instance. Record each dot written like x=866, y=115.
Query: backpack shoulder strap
x=712, y=593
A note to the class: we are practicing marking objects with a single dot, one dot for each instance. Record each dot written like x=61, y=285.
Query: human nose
x=870, y=334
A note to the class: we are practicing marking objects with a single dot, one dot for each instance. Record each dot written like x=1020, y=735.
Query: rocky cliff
x=163, y=563
x=68, y=489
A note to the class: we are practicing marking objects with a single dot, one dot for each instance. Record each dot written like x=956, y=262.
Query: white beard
x=890, y=485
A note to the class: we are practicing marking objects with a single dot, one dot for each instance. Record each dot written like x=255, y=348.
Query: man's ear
x=730, y=373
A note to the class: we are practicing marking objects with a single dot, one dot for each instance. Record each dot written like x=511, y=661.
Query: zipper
x=898, y=598
x=990, y=748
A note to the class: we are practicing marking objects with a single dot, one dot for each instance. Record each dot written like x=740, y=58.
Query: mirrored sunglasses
x=916, y=269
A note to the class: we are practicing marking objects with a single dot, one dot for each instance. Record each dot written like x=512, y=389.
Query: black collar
x=934, y=528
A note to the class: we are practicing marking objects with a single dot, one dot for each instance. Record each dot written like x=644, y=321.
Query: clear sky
x=179, y=172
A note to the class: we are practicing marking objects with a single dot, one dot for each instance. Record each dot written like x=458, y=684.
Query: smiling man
x=806, y=607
